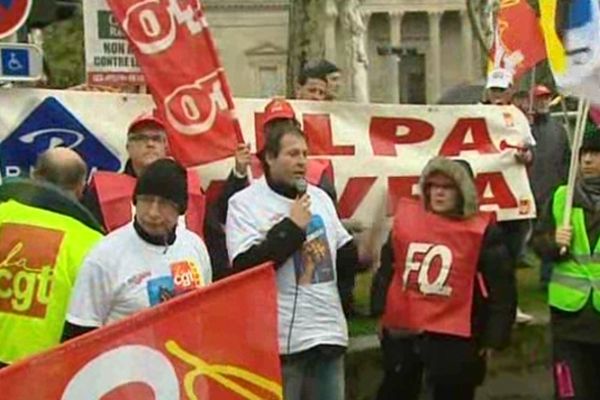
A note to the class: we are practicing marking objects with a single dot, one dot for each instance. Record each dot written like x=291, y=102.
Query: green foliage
x=64, y=52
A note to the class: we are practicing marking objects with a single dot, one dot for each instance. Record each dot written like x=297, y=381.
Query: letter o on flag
x=123, y=365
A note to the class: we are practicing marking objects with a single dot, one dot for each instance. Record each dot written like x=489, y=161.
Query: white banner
x=377, y=151
x=109, y=59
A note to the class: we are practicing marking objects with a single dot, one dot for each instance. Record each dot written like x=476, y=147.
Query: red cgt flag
x=216, y=343
x=176, y=53
x=519, y=43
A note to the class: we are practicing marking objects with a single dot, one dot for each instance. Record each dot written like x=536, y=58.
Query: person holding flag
x=574, y=290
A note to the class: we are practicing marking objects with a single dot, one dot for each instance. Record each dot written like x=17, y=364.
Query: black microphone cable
x=301, y=187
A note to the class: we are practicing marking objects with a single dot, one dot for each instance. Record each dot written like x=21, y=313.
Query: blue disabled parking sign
x=15, y=62
x=20, y=62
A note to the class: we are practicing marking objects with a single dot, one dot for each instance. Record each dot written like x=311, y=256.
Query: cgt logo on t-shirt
x=185, y=276
x=27, y=260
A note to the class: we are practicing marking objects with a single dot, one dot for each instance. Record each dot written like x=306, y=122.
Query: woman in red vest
x=445, y=287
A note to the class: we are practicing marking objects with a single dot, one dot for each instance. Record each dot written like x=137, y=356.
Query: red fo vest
x=115, y=192
x=316, y=169
x=434, y=272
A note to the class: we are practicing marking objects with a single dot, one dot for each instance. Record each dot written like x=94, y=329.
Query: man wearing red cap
x=551, y=162
x=109, y=195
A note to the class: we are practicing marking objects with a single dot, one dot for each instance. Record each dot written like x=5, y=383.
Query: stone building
x=439, y=50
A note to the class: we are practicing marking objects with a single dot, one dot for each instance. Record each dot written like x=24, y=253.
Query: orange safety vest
x=434, y=272
x=115, y=192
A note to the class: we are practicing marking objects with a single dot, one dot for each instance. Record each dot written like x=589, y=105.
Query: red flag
x=176, y=53
x=519, y=43
x=216, y=343
x=595, y=115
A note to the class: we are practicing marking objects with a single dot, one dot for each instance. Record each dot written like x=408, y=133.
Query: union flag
x=519, y=42
x=218, y=342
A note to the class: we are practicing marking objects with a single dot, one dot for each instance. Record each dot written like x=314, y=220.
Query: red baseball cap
x=541, y=90
x=148, y=118
x=278, y=109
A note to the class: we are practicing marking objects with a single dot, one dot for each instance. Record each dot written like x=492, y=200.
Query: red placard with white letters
x=176, y=53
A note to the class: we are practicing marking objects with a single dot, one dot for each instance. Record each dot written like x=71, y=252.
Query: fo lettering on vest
x=434, y=272
x=115, y=192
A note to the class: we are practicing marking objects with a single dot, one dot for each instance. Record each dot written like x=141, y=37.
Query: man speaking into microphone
x=283, y=219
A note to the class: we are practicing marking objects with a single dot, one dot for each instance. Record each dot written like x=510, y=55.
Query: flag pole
x=583, y=109
x=531, y=90
x=567, y=122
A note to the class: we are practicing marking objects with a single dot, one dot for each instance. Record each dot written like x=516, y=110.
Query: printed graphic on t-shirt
x=185, y=276
x=313, y=262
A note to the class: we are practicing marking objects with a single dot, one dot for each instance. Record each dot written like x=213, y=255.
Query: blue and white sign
x=51, y=125
x=19, y=62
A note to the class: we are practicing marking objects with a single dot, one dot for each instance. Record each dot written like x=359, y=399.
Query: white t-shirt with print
x=319, y=318
x=124, y=274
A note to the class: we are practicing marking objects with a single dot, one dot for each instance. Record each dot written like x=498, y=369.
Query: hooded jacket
x=492, y=315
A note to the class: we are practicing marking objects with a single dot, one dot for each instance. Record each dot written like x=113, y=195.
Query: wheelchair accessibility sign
x=20, y=62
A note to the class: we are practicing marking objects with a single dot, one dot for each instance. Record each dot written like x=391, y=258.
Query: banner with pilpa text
x=377, y=151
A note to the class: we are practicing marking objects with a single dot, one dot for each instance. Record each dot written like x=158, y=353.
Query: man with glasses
x=109, y=195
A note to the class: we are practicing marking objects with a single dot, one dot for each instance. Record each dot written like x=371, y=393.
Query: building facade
x=438, y=50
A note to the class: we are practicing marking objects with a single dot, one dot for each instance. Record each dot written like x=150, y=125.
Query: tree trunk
x=482, y=14
x=306, y=37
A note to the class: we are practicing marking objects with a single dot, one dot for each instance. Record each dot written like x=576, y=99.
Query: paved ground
x=535, y=384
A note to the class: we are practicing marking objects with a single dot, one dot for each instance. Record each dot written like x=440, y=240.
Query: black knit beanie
x=164, y=178
x=591, y=138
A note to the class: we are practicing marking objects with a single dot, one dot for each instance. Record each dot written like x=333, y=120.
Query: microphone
x=301, y=185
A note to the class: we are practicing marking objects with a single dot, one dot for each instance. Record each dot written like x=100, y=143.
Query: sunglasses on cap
x=144, y=138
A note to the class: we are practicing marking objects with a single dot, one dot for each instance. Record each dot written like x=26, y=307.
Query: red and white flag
x=176, y=53
x=219, y=343
x=519, y=42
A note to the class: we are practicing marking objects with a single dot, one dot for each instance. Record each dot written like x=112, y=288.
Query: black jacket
x=551, y=158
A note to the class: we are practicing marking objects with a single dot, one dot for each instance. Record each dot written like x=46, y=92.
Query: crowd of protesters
x=128, y=241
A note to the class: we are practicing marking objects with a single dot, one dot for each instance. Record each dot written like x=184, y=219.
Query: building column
x=394, y=60
x=331, y=15
x=434, y=78
x=467, y=44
